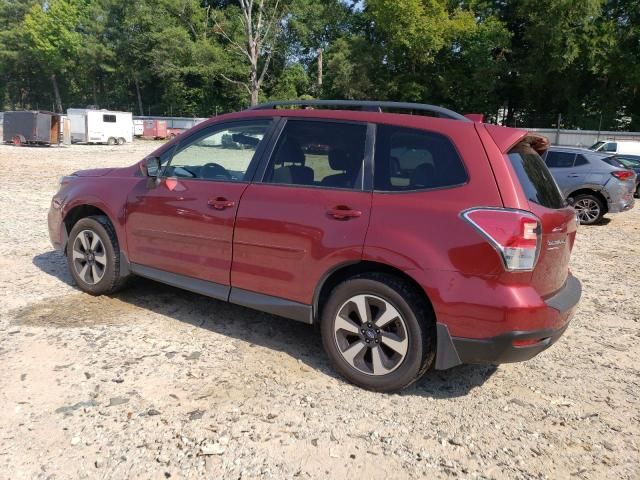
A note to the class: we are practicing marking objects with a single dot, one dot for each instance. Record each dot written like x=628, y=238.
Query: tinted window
x=629, y=162
x=222, y=154
x=614, y=162
x=560, y=159
x=535, y=178
x=580, y=160
x=408, y=159
x=109, y=118
x=321, y=154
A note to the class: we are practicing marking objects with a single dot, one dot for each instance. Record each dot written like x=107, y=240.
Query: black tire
x=112, y=279
x=417, y=317
x=638, y=191
x=590, y=199
x=111, y=141
x=121, y=141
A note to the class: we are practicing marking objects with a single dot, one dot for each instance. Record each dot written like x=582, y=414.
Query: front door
x=308, y=214
x=184, y=224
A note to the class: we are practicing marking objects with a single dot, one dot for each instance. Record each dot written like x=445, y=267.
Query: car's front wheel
x=93, y=256
x=378, y=332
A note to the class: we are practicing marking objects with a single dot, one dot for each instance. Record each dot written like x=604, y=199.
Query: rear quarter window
x=408, y=159
x=535, y=178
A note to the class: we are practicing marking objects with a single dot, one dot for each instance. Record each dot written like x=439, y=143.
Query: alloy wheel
x=89, y=257
x=371, y=334
x=587, y=209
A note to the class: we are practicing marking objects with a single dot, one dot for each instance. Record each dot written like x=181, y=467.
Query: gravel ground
x=156, y=383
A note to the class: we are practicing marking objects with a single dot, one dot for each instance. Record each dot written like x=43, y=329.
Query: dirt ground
x=160, y=383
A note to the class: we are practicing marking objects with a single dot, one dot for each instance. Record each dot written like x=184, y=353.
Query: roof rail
x=365, y=105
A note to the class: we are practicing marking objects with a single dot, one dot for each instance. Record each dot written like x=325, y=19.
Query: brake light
x=515, y=234
x=623, y=174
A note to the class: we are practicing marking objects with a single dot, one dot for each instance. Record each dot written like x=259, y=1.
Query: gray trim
x=446, y=353
x=267, y=303
x=203, y=287
x=568, y=297
x=367, y=106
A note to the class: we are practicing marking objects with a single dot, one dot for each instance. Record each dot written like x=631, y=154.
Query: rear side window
x=560, y=159
x=319, y=154
x=408, y=159
x=580, y=160
x=536, y=179
x=614, y=162
x=109, y=118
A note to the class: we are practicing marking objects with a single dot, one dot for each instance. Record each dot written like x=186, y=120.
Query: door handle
x=220, y=203
x=573, y=176
x=342, y=212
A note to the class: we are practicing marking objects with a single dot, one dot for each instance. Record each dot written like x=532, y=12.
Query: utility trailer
x=155, y=129
x=100, y=126
x=31, y=128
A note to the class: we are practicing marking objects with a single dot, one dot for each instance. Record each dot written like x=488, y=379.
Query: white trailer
x=138, y=127
x=100, y=126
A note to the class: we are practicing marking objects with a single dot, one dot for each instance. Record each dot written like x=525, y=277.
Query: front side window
x=408, y=159
x=560, y=159
x=320, y=154
x=222, y=154
x=610, y=147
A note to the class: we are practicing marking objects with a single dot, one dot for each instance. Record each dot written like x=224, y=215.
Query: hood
x=93, y=172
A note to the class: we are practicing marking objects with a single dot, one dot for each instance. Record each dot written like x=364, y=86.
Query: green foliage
x=521, y=62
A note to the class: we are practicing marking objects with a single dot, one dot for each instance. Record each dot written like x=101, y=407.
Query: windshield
x=537, y=182
x=596, y=146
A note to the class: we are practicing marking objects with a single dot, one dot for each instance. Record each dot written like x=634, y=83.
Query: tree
x=52, y=38
x=253, y=40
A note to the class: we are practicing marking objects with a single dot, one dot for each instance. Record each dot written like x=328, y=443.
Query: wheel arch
x=343, y=271
x=591, y=191
x=78, y=212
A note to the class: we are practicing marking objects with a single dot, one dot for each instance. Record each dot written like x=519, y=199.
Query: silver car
x=594, y=183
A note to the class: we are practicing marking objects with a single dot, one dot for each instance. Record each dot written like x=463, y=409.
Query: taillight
x=515, y=234
x=623, y=174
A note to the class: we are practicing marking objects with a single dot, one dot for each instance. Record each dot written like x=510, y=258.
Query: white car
x=625, y=147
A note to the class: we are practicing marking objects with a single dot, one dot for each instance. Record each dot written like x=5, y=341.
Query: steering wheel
x=215, y=170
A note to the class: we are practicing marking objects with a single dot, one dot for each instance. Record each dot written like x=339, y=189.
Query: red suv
x=412, y=241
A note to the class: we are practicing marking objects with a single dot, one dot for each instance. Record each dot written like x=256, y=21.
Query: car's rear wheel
x=93, y=256
x=378, y=332
x=111, y=141
x=121, y=141
x=589, y=209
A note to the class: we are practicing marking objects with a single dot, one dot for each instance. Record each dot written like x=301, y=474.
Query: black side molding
x=195, y=285
x=274, y=305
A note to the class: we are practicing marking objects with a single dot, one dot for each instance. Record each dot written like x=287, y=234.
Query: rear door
x=308, y=212
x=558, y=219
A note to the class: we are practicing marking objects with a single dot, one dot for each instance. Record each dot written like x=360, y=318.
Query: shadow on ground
x=296, y=339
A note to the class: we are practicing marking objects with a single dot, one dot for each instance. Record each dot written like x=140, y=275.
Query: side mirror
x=150, y=167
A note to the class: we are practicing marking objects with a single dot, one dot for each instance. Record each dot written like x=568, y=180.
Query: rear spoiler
x=506, y=138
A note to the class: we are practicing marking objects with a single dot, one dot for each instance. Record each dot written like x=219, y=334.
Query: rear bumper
x=508, y=347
